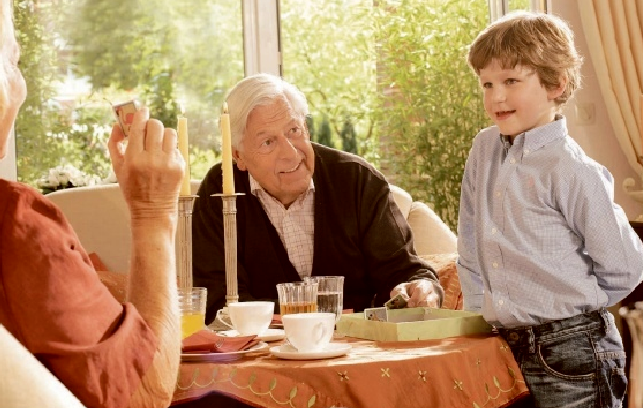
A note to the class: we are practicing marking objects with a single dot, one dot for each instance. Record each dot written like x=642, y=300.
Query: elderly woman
x=106, y=353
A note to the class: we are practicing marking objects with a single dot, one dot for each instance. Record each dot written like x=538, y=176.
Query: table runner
x=471, y=372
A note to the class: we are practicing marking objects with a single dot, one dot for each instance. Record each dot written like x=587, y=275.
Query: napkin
x=207, y=341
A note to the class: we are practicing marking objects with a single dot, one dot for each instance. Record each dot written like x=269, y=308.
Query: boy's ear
x=556, y=92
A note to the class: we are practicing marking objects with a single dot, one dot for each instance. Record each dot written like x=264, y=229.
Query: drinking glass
x=192, y=304
x=297, y=297
x=330, y=294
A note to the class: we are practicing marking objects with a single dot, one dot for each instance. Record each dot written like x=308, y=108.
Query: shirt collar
x=536, y=138
x=256, y=188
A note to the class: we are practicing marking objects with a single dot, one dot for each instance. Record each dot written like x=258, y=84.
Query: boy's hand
x=420, y=292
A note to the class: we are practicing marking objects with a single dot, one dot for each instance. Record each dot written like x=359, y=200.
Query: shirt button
x=495, y=264
x=512, y=160
x=501, y=302
x=497, y=193
x=526, y=152
x=513, y=336
x=493, y=230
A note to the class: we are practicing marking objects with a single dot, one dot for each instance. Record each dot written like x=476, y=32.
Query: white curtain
x=614, y=33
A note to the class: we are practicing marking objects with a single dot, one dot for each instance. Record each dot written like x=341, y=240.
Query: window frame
x=498, y=8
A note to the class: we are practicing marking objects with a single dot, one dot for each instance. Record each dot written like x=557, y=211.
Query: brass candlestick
x=230, y=244
x=183, y=243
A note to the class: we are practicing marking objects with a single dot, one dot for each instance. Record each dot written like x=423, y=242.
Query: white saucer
x=268, y=335
x=222, y=357
x=288, y=352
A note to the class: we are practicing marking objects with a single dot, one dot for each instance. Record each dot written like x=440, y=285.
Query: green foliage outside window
x=387, y=80
x=430, y=106
x=394, y=73
x=173, y=55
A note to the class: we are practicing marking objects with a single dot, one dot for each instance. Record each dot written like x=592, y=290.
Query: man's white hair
x=260, y=90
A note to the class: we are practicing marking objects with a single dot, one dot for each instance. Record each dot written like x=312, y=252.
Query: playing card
x=125, y=114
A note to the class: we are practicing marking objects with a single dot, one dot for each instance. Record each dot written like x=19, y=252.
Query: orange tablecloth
x=470, y=372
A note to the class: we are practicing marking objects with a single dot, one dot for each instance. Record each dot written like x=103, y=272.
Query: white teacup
x=309, y=332
x=251, y=318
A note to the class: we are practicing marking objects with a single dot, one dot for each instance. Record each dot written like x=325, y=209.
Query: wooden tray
x=421, y=323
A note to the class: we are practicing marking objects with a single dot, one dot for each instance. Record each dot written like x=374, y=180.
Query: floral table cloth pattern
x=470, y=372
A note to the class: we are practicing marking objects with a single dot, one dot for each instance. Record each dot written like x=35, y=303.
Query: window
x=385, y=79
x=80, y=56
x=388, y=80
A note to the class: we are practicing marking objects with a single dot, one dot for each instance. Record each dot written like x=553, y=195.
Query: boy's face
x=515, y=99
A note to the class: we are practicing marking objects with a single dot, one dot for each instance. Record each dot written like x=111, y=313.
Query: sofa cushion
x=444, y=265
x=402, y=199
x=430, y=234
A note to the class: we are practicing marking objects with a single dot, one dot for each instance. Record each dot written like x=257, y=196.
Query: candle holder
x=230, y=244
x=183, y=243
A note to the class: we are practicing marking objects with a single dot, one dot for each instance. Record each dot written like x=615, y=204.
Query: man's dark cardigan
x=360, y=233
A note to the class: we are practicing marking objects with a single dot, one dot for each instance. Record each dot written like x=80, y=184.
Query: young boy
x=543, y=249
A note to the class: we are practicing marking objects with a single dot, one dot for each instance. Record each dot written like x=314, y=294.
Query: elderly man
x=308, y=210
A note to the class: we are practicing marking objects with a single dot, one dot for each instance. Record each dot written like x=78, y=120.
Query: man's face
x=277, y=152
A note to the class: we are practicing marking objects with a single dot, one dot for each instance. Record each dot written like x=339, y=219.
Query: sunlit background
x=374, y=73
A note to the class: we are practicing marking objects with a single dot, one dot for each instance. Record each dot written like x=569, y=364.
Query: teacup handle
x=319, y=332
x=221, y=314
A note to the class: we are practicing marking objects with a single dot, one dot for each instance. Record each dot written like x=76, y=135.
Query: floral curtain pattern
x=614, y=34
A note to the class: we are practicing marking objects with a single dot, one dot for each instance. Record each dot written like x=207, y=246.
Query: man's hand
x=419, y=292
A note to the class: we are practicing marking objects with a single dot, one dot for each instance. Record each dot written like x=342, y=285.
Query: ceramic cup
x=251, y=318
x=309, y=332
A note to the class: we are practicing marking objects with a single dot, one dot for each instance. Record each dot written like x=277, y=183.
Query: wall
x=597, y=139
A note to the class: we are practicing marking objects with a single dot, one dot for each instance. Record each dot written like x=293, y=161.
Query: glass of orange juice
x=192, y=302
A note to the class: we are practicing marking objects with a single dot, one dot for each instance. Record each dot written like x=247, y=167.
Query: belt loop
x=532, y=340
x=606, y=319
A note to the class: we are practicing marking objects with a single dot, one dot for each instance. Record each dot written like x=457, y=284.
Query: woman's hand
x=150, y=170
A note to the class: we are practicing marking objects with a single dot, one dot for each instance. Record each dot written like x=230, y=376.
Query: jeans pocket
x=613, y=382
x=570, y=357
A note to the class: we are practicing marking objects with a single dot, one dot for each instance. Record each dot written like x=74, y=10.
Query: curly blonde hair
x=541, y=41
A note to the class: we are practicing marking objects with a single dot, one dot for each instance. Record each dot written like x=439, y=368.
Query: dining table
x=472, y=371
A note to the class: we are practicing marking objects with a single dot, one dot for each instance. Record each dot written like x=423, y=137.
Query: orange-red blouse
x=53, y=302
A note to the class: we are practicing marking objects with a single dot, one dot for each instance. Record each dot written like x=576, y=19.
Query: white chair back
x=25, y=382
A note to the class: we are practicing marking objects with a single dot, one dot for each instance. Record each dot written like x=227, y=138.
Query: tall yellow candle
x=226, y=152
x=183, y=148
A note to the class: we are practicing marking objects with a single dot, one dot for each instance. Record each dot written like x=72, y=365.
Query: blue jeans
x=576, y=362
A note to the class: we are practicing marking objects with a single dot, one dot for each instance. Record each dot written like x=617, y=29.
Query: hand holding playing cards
x=150, y=170
x=420, y=292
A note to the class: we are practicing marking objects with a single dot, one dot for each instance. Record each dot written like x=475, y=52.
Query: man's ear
x=240, y=163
